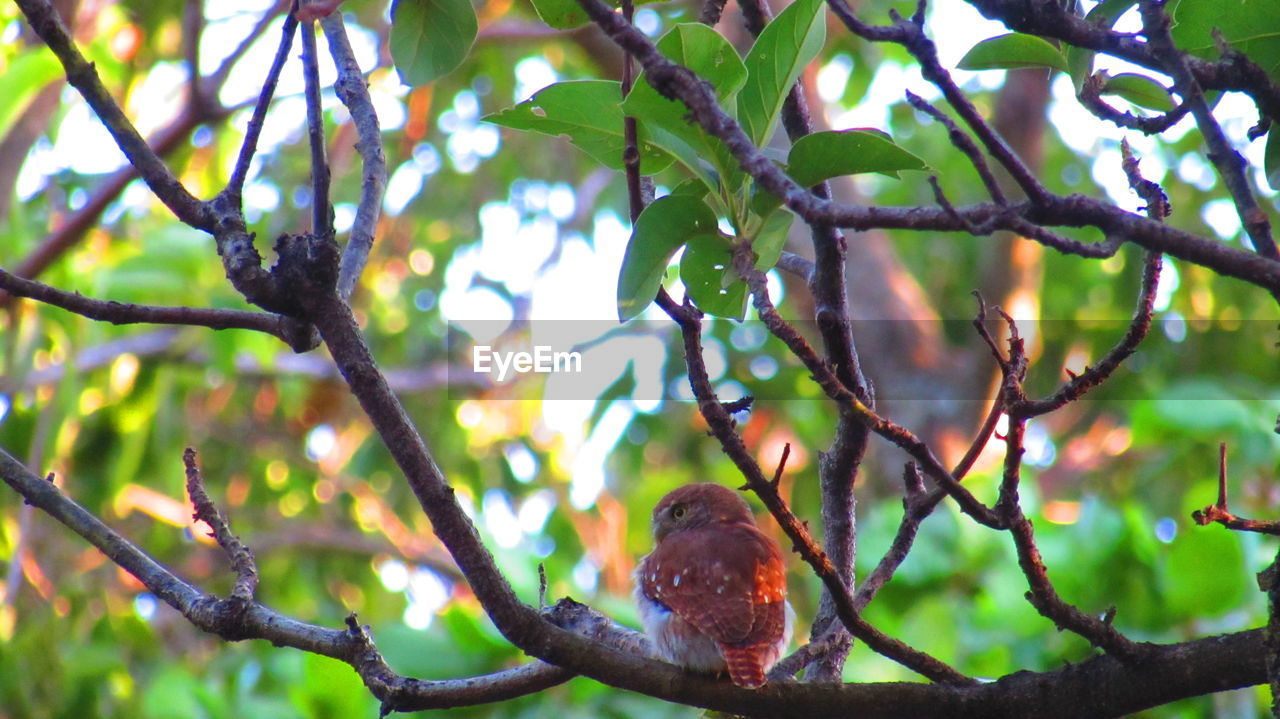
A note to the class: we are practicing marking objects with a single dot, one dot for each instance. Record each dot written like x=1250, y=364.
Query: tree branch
x=353, y=91
x=321, y=207
x=1025, y=218
x=239, y=617
x=1101, y=686
x=722, y=428
x=286, y=329
x=1230, y=164
x=1220, y=513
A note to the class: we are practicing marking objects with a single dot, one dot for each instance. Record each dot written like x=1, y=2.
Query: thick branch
x=1099, y=687
x=1025, y=218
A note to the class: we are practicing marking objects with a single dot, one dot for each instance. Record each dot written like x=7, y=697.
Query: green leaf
x=1015, y=50
x=772, y=237
x=823, y=155
x=561, y=14
x=708, y=54
x=586, y=113
x=1250, y=26
x=1139, y=90
x=664, y=226
x=1080, y=59
x=774, y=63
x=706, y=269
x=1271, y=159
x=430, y=38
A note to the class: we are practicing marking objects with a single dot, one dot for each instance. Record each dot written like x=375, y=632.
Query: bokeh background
x=491, y=236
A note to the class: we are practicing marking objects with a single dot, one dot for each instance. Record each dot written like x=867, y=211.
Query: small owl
x=712, y=593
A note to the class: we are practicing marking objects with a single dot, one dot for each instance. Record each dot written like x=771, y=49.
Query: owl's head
x=698, y=505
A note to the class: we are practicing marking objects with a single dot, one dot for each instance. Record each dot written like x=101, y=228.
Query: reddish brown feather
x=729, y=583
x=746, y=666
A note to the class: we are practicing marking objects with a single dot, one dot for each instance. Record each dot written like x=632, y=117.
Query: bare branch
x=1043, y=596
x=321, y=208
x=353, y=91
x=848, y=403
x=1218, y=512
x=242, y=562
x=287, y=330
x=1230, y=164
x=1139, y=326
x=238, y=618
x=240, y=172
x=1091, y=97
x=963, y=144
x=801, y=267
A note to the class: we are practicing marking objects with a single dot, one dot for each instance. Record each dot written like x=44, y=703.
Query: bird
x=712, y=593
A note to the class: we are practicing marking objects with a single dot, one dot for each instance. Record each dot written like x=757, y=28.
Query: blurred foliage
x=1110, y=483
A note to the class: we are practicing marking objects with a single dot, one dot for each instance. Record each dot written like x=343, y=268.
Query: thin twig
x=321, y=208
x=835, y=390
x=801, y=267
x=353, y=91
x=962, y=143
x=1220, y=513
x=1091, y=97
x=1042, y=595
x=240, y=171
x=285, y=329
x=1139, y=325
x=242, y=562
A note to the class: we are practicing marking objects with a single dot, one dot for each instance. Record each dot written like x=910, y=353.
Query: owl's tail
x=746, y=666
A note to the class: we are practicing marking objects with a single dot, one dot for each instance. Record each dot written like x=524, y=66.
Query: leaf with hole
x=823, y=155
x=586, y=113
x=775, y=62
x=430, y=38
x=706, y=269
x=1012, y=51
x=662, y=228
x=708, y=54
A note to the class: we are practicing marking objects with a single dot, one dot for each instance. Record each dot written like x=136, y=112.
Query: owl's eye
x=678, y=512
